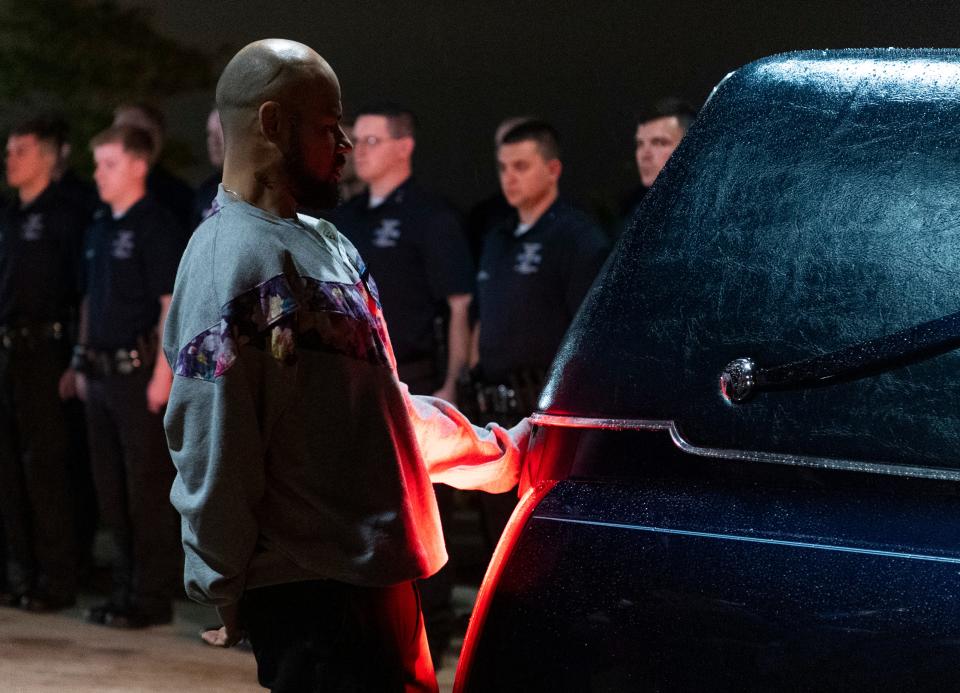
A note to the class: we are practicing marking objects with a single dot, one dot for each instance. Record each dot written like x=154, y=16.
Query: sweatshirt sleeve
x=462, y=455
x=223, y=404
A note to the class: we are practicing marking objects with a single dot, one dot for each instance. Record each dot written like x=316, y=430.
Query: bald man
x=304, y=467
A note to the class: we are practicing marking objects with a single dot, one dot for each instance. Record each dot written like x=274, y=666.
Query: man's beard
x=310, y=191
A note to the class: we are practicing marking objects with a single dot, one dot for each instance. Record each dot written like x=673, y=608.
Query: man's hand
x=158, y=392
x=230, y=633
x=520, y=434
x=68, y=384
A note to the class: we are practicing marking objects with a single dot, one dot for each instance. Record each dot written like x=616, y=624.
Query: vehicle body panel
x=807, y=537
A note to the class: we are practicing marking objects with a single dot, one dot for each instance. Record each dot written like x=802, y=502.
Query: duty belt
x=506, y=403
x=12, y=337
x=103, y=363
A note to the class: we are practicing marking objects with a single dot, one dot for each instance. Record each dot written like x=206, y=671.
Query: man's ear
x=407, y=144
x=49, y=155
x=555, y=168
x=271, y=120
x=141, y=167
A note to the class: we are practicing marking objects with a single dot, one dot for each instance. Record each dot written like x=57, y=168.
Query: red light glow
x=518, y=520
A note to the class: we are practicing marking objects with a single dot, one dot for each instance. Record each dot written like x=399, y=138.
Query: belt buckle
x=126, y=361
x=121, y=361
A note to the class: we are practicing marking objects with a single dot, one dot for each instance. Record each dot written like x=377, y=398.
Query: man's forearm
x=462, y=455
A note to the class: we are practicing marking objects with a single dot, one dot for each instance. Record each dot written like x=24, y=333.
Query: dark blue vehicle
x=746, y=469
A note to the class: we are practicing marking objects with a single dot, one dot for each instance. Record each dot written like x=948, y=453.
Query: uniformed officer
x=203, y=199
x=659, y=130
x=166, y=188
x=40, y=232
x=131, y=257
x=535, y=270
x=82, y=193
x=493, y=210
x=414, y=245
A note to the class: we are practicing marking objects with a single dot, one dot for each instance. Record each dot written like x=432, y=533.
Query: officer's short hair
x=539, y=131
x=135, y=141
x=669, y=107
x=151, y=112
x=51, y=131
x=401, y=121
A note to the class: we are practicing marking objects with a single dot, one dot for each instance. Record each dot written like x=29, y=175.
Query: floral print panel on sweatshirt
x=281, y=319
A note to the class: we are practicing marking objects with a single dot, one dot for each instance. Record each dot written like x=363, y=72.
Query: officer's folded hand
x=73, y=384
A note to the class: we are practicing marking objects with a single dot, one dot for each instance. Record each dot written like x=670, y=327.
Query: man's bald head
x=279, y=105
x=271, y=70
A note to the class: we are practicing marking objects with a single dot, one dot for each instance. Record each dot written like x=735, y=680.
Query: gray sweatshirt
x=299, y=454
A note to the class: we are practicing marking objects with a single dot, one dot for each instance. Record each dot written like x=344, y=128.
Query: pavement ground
x=61, y=653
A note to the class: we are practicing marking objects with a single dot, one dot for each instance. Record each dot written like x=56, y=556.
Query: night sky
x=587, y=67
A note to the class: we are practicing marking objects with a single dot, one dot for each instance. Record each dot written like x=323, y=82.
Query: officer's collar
x=39, y=201
x=394, y=197
x=549, y=214
x=132, y=209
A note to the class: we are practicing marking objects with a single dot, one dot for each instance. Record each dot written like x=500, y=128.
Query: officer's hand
x=447, y=393
x=68, y=384
x=158, y=392
x=73, y=384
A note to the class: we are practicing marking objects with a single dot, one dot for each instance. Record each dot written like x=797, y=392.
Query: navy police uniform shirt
x=39, y=252
x=530, y=286
x=204, y=200
x=415, y=249
x=129, y=263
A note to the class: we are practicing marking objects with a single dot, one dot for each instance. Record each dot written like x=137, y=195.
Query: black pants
x=133, y=473
x=34, y=497
x=323, y=635
x=80, y=479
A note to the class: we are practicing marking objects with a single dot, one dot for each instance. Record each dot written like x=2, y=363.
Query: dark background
x=587, y=67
